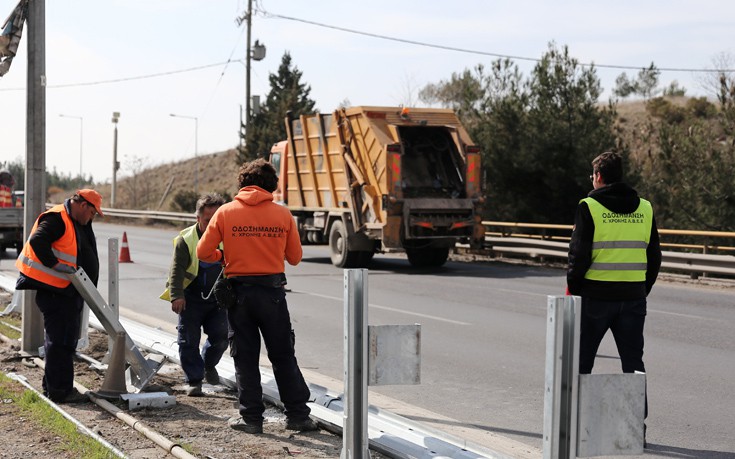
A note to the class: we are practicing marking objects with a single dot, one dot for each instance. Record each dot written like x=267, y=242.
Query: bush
x=701, y=107
x=661, y=108
x=185, y=201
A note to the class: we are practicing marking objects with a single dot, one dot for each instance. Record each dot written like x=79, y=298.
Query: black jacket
x=50, y=228
x=622, y=199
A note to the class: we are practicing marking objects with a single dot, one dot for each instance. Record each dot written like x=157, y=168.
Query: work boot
x=302, y=425
x=211, y=376
x=194, y=390
x=239, y=424
x=74, y=396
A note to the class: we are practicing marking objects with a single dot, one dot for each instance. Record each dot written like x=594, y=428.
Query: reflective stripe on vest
x=191, y=238
x=64, y=249
x=619, y=243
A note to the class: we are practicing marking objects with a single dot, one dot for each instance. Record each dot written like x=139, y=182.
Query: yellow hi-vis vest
x=619, y=243
x=191, y=238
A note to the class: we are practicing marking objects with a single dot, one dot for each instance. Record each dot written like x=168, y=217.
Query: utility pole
x=253, y=53
x=115, y=162
x=247, y=64
x=32, y=326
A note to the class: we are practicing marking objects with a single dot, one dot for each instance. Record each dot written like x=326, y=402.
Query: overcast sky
x=91, y=42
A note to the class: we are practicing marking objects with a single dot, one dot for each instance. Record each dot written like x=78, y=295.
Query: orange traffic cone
x=124, y=250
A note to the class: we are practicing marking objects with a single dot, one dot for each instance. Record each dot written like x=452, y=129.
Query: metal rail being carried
x=141, y=369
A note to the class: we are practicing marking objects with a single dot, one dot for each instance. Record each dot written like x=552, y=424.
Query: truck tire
x=339, y=248
x=433, y=257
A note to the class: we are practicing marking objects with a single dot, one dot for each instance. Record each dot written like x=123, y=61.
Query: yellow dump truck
x=378, y=179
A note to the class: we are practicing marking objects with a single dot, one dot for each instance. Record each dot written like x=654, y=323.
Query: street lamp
x=115, y=162
x=81, y=138
x=196, y=148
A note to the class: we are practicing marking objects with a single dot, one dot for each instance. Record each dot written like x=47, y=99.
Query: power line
x=472, y=51
x=133, y=78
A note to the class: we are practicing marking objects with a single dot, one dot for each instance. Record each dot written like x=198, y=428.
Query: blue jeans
x=200, y=314
x=263, y=310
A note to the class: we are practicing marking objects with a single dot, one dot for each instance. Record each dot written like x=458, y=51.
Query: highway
x=483, y=338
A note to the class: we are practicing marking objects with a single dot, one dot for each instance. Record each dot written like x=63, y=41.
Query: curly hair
x=260, y=173
x=610, y=167
x=208, y=200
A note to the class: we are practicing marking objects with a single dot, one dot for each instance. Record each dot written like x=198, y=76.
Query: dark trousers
x=201, y=314
x=62, y=318
x=626, y=320
x=263, y=310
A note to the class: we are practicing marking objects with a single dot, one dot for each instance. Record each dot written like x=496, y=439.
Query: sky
x=136, y=57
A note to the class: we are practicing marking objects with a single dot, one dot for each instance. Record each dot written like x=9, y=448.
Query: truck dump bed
x=401, y=177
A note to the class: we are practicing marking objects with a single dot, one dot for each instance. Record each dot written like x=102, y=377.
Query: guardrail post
x=113, y=290
x=562, y=375
x=354, y=418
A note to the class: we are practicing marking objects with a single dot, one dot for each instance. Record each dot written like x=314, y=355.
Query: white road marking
x=388, y=308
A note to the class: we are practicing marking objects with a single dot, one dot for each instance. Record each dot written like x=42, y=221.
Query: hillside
x=149, y=189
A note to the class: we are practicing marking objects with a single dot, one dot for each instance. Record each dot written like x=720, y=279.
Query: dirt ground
x=199, y=424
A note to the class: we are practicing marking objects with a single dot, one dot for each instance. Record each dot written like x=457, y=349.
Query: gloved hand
x=62, y=268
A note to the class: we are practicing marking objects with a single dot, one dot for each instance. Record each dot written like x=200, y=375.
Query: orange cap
x=93, y=198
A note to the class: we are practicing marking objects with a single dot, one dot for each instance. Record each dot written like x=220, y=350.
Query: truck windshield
x=430, y=163
x=275, y=161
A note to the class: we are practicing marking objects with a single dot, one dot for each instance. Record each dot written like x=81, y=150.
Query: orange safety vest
x=6, y=196
x=65, y=249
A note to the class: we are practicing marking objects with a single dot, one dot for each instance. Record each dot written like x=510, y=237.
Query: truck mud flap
x=438, y=218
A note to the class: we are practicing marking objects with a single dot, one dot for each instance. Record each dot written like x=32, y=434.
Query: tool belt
x=224, y=288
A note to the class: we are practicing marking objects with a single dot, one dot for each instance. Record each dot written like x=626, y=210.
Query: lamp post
x=115, y=163
x=81, y=138
x=196, y=148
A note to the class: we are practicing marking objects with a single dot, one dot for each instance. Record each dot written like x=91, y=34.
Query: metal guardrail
x=551, y=240
x=552, y=244
x=150, y=214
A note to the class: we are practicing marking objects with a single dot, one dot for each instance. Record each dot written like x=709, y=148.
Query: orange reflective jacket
x=64, y=248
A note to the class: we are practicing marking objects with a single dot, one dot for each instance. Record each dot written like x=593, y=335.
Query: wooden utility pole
x=35, y=192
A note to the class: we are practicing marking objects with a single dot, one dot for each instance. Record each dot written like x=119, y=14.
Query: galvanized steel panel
x=394, y=354
x=611, y=409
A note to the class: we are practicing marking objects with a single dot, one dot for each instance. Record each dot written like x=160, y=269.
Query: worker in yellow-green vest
x=614, y=259
x=189, y=289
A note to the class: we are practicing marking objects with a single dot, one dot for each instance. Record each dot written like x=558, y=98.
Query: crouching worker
x=258, y=235
x=60, y=241
x=189, y=289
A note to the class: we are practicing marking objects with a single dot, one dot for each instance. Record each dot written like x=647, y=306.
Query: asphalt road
x=483, y=339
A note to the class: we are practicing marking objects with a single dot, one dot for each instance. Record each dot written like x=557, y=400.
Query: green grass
x=73, y=442
x=7, y=331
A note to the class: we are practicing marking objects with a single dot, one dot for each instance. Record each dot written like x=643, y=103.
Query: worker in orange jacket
x=6, y=188
x=258, y=235
x=61, y=240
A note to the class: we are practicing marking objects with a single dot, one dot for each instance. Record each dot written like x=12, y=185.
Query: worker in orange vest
x=61, y=240
x=6, y=188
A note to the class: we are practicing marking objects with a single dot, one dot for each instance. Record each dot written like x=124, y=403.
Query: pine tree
x=287, y=93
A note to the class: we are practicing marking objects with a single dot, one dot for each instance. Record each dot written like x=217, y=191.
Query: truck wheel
x=433, y=257
x=341, y=256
